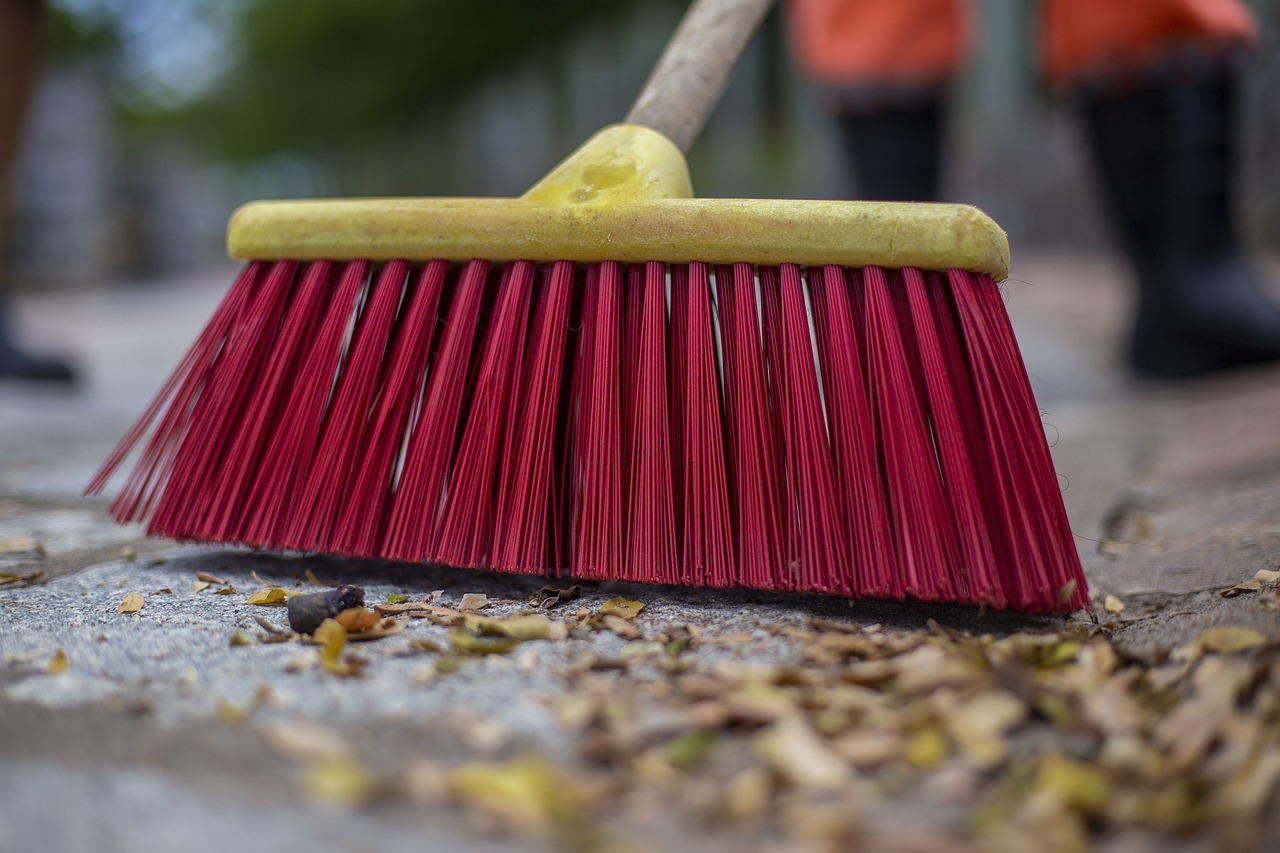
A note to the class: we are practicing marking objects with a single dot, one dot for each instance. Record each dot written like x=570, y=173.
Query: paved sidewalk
x=161, y=734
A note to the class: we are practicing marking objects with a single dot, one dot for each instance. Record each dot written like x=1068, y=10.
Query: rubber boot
x=14, y=363
x=895, y=152
x=1166, y=154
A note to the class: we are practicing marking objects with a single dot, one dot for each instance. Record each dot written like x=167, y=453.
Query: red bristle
x=420, y=493
x=466, y=526
x=923, y=529
x=176, y=397
x=978, y=565
x=707, y=553
x=652, y=555
x=1035, y=527
x=599, y=526
x=678, y=359
x=245, y=455
x=291, y=449
x=313, y=525
x=755, y=464
x=521, y=530
x=183, y=509
x=362, y=521
x=884, y=443
x=854, y=440
x=819, y=549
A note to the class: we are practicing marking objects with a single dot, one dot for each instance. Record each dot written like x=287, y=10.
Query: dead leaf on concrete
x=620, y=607
x=1229, y=640
x=340, y=781
x=205, y=577
x=800, y=757
x=21, y=546
x=474, y=601
x=305, y=740
x=357, y=620
x=620, y=626
x=132, y=603
x=550, y=596
x=20, y=577
x=1113, y=605
x=201, y=586
x=58, y=664
x=271, y=597
x=528, y=796
x=333, y=639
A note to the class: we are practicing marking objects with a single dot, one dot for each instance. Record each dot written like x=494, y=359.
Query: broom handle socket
x=686, y=84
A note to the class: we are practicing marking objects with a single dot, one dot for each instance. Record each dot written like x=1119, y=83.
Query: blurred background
x=157, y=117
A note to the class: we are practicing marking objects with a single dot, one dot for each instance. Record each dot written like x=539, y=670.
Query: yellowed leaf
x=132, y=603
x=622, y=627
x=1113, y=605
x=620, y=607
x=200, y=586
x=58, y=664
x=1230, y=640
x=926, y=748
x=313, y=580
x=464, y=641
x=527, y=795
x=241, y=638
x=18, y=577
x=1079, y=785
x=980, y=727
x=229, y=712
x=271, y=597
x=340, y=781
x=1267, y=576
x=332, y=638
x=21, y=545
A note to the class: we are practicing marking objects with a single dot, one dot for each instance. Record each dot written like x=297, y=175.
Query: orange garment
x=870, y=42
x=1086, y=38
x=880, y=41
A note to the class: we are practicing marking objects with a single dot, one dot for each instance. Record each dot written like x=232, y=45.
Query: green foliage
x=325, y=75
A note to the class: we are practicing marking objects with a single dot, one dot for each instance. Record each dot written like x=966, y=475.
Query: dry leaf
x=210, y=579
x=271, y=597
x=1229, y=640
x=474, y=601
x=132, y=603
x=17, y=577
x=526, y=796
x=303, y=740
x=620, y=607
x=315, y=581
x=333, y=639
x=21, y=546
x=240, y=638
x=621, y=627
x=340, y=781
x=357, y=620
x=200, y=586
x=1113, y=605
x=980, y=727
x=58, y=664
x=550, y=596
x=800, y=757
x=464, y=641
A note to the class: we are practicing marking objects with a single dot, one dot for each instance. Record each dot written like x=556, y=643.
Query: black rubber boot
x=16, y=364
x=1167, y=156
x=895, y=152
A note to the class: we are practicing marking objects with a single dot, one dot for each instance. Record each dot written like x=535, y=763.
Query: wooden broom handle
x=687, y=82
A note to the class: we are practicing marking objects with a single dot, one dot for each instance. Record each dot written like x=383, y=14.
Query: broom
x=632, y=384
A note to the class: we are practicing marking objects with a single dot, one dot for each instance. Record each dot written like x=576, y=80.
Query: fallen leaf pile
x=1056, y=738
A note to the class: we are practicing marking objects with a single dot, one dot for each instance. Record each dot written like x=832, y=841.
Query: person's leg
x=22, y=39
x=1159, y=99
x=884, y=65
